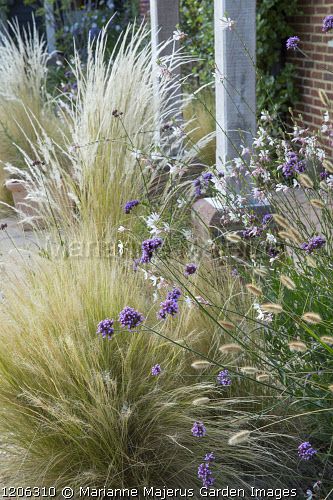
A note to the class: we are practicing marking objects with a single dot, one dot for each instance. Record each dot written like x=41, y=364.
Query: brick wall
x=313, y=73
x=144, y=8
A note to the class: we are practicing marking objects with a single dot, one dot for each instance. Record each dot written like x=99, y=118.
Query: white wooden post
x=235, y=55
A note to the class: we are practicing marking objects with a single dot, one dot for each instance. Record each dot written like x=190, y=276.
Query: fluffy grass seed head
x=312, y=318
x=305, y=181
x=201, y=364
x=231, y=348
x=239, y=438
x=297, y=346
x=287, y=282
x=327, y=339
x=272, y=308
x=254, y=289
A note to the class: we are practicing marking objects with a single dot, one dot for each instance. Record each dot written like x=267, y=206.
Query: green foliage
x=276, y=85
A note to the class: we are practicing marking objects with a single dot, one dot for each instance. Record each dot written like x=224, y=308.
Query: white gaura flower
x=120, y=247
x=136, y=153
x=281, y=187
x=270, y=238
x=121, y=229
x=227, y=23
x=181, y=202
x=188, y=301
x=262, y=316
x=179, y=35
x=151, y=222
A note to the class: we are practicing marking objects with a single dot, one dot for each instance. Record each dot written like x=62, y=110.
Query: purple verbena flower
x=223, y=378
x=251, y=232
x=190, y=269
x=197, y=186
x=323, y=175
x=174, y=294
x=169, y=306
x=156, y=370
x=292, y=165
x=207, y=176
x=198, y=429
x=205, y=474
x=105, y=328
x=305, y=451
x=327, y=24
x=209, y=457
x=130, y=318
x=266, y=219
x=148, y=248
x=313, y=244
x=130, y=205
x=273, y=252
x=234, y=273
x=292, y=42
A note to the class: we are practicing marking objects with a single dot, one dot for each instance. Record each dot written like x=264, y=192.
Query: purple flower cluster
x=105, y=328
x=327, y=24
x=190, y=269
x=170, y=305
x=267, y=219
x=305, y=451
x=130, y=205
x=205, y=474
x=292, y=165
x=148, y=248
x=198, y=429
x=313, y=244
x=252, y=232
x=292, y=42
x=156, y=370
x=201, y=182
x=130, y=318
x=223, y=378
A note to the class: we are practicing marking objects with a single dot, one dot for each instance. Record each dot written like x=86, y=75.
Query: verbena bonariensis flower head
x=130, y=318
x=174, y=294
x=266, y=219
x=190, y=269
x=205, y=474
x=327, y=24
x=105, y=328
x=198, y=429
x=169, y=306
x=292, y=42
x=209, y=457
x=197, y=186
x=207, y=176
x=156, y=370
x=306, y=451
x=130, y=205
x=223, y=378
x=292, y=165
x=313, y=244
x=148, y=248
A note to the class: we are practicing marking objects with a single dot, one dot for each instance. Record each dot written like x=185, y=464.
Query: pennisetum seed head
x=287, y=282
x=311, y=318
x=281, y=221
x=231, y=348
x=201, y=364
x=330, y=387
x=328, y=165
x=327, y=339
x=305, y=181
x=249, y=370
x=311, y=262
x=233, y=237
x=272, y=308
x=297, y=346
x=200, y=401
x=239, y=438
x=227, y=325
x=315, y=202
x=263, y=377
x=260, y=271
x=254, y=289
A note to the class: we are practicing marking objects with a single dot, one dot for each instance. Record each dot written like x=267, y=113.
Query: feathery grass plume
x=328, y=165
x=233, y=237
x=311, y=262
x=312, y=318
x=287, y=282
x=272, y=308
x=330, y=387
x=281, y=221
x=231, y=348
x=26, y=111
x=263, y=377
x=239, y=438
x=296, y=236
x=315, y=202
x=249, y=370
x=297, y=346
x=260, y=271
x=327, y=339
x=305, y=181
x=324, y=98
x=113, y=117
x=86, y=399
x=286, y=235
x=227, y=325
x=255, y=290
x=201, y=364
x=200, y=401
